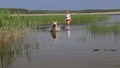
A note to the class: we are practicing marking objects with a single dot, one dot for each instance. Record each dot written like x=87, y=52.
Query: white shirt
x=68, y=16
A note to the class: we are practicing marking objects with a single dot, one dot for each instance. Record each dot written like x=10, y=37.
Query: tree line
x=26, y=11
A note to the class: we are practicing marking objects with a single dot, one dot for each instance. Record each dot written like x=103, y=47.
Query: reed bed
x=13, y=45
x=13, y=26
x=12, y=32
x=105, y=28
x=10, y=24
x=76, y=19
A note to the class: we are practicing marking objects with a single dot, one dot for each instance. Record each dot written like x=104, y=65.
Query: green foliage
x=26, y=11
x=7, y=21
x=76, y=19
x=88, y=18
x=4, y=17
x=105, y=28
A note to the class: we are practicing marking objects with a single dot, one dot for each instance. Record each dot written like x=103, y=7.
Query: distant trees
x=26, y=11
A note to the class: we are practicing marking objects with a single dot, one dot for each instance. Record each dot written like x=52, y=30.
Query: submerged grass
x=105, y=28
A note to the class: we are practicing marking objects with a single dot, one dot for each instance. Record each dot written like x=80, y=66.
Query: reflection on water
x=68, y=33
x=54, y=35
x=107, y=37
x=114, y=18
x=68, y=29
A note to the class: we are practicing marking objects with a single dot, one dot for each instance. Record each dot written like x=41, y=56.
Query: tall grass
x=76, y=19
x=13, y=31
x=13, y=45
x=105, y=28
x=88, y=18
x=7, y=21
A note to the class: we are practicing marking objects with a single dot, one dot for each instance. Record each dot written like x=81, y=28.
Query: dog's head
x=54, y=25
x=55, y=22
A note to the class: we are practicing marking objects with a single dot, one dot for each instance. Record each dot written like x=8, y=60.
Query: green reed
x=88, y=18
x=13, y=30
x=105, y=28
x=19, y=23
x=9, y=22
x=13, y=45
x=76, y=19
x=6, y=20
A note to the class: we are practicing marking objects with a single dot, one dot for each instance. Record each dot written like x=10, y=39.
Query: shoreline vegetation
x=6, y=19
x=18, y=30
x=93, y=13
x=16, y=27
x=105, y=27
x=27, y=11
x=12, y=26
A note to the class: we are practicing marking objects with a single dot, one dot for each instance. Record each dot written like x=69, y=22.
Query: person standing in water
x=68, y=21
x=68, y=18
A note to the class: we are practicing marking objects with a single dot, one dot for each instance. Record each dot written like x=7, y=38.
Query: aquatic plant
x=105, y=28
x=12, y=32
x=13, y=44
x=76, y=19
x=88, y=18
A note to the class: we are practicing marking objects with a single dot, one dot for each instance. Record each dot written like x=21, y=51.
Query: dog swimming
x=55, y=27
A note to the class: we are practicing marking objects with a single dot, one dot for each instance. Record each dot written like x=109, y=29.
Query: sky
x=60, y=4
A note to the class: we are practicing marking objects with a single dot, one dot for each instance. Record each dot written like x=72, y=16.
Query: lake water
x=77, y=48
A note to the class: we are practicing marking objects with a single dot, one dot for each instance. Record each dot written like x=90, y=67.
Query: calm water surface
x=78, y=48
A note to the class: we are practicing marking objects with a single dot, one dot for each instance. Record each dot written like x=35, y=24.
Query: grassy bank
x=76, y=19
